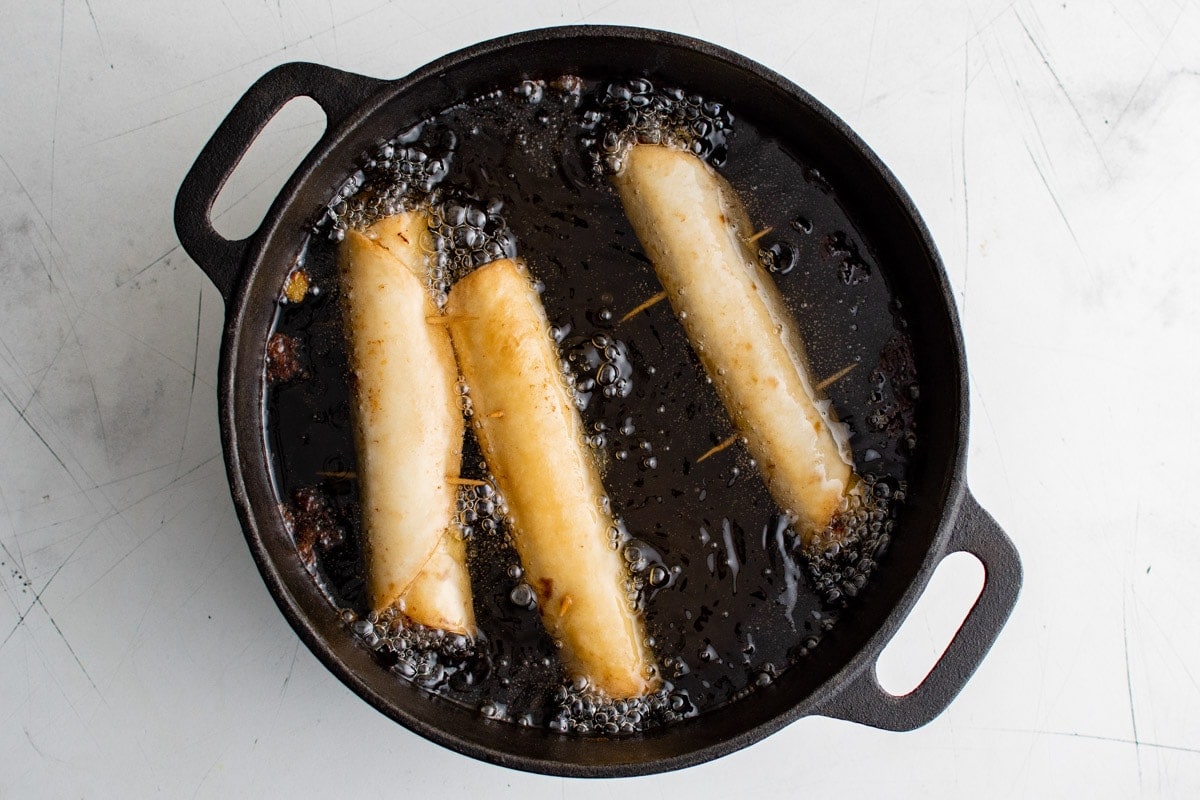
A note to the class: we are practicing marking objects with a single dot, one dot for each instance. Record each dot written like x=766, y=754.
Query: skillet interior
x=907, y=260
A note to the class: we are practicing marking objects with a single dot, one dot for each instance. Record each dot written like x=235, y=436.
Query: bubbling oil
x=730, y=597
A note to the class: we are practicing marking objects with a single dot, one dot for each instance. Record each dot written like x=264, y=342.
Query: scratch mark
x=21, y=616
x=63, y=284
x=139, y=474
x=208, y=576
x=982, y=29
x=152, y=123
x=131, y=646
x=54, y=527
x=287, y=678
x=1137, y=34
x=62, y=344
x=191, y=392
x=96, y=27
x=37, y=597
x=1167, y=640
x=142, y=542
x=1125, y=639
x=45, y=373
x=817, y=28
x=71, y=322
x=70, y=557
x=62, y=32
x=70, y=649
x=176, y=481
x=962, y=152
x=1026, y=107
x=33, y=744
x=87, y=367
x=995, y=438
x=88, y=494
x=29, y=197
x=37, y=601
x=39, y=751
x=1062, y=88
x=36, y=432
x=862, y=97
x=1061, y=212
x=115, y=511
x=13, y=527
x=15, y=628
x=120, y=561
x=51, y=673
x=55, y=290
x=8, y=595
x=71, y=475
x=1098, y=738
x=1153, y=63
x=119, y=512
x=604, y=7
x=204, y=777
x=152, y=348
x=45, y=268
x=236, y=21
x=268, y=56
x=337, y=49
x=1182, y=171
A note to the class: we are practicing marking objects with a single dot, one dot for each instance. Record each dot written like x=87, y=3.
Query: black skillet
x=941, y=516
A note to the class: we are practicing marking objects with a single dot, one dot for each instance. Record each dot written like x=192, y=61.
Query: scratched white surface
x=1052, y=149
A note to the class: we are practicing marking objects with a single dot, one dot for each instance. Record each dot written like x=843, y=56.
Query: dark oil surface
x=729, y=598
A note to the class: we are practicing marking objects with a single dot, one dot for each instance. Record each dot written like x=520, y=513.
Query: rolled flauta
x=408, y=426
x=532, y=438
x=695, y=230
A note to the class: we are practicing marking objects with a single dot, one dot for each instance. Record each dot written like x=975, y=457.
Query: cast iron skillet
x=838, y=679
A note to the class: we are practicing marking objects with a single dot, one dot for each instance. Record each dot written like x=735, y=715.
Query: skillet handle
x=338, y=93
x=865, y=701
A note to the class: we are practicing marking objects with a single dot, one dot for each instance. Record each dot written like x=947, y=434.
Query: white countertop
x=1051, y=148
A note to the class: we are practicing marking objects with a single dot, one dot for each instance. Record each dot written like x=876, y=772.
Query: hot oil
x=729, y=599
